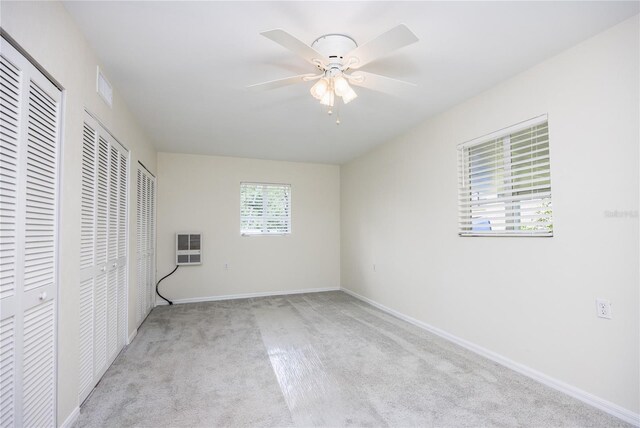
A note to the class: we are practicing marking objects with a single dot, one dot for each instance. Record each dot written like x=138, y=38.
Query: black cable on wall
x=158, y=292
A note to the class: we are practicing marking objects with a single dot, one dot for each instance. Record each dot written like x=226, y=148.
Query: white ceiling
x=182, y=67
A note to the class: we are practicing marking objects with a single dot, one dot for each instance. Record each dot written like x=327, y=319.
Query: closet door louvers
x=145, y=248
x=122, y=249
x=40, y=259
x=87, y=258
x=103, y=254
x=100, y=283
x=140, y=291
x=112, y=260
x=151, y=241
x=29, y=146
x=10, y=78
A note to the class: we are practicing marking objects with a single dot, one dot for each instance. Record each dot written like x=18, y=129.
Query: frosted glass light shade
x=319, y=89
x=341, y=86
x=349, y=96
x=328, y=99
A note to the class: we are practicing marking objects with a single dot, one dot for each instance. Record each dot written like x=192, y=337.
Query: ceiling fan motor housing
x=334, y=47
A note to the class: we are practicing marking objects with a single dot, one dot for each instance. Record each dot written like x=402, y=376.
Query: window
x=505, y=182
x=265, y=209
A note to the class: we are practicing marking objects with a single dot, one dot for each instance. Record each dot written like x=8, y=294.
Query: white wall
x=202, y=194
x=529, y=299
x=399, y=211
x=49, y=34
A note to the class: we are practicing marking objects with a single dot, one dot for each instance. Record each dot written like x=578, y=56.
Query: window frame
x=264, y=231
x=511, y=204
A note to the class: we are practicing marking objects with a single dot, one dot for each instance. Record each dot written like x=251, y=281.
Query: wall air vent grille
x=104, y=88
x=188, y=248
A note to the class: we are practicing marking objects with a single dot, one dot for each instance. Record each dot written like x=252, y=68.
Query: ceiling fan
x=338, y=59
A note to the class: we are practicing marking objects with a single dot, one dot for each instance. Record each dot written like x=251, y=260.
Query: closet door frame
x=27, y=61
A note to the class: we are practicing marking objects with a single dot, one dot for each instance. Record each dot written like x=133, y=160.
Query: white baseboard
x=584, y=396
x=132, y=336
x=71, y=419
x=246, y=295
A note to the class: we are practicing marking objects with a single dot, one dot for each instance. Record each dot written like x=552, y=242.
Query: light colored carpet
x=321, y=359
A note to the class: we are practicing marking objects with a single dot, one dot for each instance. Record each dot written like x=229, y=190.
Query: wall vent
x=104, y=88
x=188, y=248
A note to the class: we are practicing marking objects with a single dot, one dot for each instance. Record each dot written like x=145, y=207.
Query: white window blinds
x=505, y=182
x=265, y=208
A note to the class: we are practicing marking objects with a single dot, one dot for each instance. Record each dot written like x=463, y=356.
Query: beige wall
x=48, y=33
x=529, y=299
x=202, y=194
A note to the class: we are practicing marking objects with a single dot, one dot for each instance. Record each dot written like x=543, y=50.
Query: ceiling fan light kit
x=328, y=99
x=319, y=88
x=349, y=95
x=334, y=55
x=340, y=85
x=327, y=89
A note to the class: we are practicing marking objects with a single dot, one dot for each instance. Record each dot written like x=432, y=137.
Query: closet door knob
x=43, y=295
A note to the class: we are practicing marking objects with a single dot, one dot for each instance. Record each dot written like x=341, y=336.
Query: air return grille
x=188, y=248
x=104, y=88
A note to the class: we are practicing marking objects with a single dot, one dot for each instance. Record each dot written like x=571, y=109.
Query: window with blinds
x=505, y=182
x=265, y=209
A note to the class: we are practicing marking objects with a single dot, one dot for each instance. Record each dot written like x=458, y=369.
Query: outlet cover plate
x=603, y=308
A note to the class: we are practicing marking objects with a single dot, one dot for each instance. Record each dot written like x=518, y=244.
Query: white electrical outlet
x=603, y=308
x=227, y=266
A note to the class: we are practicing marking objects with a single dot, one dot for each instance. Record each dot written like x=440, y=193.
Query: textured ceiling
x=182, y=67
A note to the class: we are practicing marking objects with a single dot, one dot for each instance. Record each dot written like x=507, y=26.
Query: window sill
x=504, y=235
x=249, y=235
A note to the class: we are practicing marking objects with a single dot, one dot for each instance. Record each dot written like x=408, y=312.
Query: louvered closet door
x=145, y=247
x=139, y=259
x=123, y=243
x=151, y=242
x=29, y=146
x=100, y=282
x=103, y=253
x=87, y=257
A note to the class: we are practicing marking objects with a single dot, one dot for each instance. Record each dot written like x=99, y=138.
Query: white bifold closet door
x=29, y=148
x=145, y=248
x=103, y=253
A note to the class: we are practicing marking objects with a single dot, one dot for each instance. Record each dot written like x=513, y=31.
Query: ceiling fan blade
x=273, y=84
x=296, y=46
x=379, y=83
x=385, y=43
